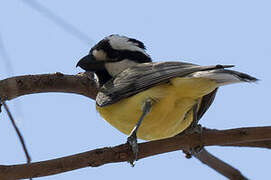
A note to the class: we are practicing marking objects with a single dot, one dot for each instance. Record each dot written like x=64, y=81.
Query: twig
x=28, y=158
x=58, y=21
x=220, y=166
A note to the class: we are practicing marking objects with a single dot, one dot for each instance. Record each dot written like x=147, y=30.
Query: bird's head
x=112, y=55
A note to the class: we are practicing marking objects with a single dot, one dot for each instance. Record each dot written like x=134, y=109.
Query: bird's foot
x=194, y=150
x=132, y=142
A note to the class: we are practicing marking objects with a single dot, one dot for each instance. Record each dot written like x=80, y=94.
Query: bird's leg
x=195, y=117
x=194, y=128
x=132, y=139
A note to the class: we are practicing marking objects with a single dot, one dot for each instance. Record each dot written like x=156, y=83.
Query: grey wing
x=143, y=76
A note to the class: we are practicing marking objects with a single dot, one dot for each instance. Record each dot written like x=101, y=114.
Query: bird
x=152, y=100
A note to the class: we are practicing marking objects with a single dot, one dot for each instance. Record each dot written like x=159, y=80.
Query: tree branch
x=219, y=166
x=122, y=153
x=257, y=144
x=82, y=83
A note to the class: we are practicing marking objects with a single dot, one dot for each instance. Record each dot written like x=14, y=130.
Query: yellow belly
x=169, y=114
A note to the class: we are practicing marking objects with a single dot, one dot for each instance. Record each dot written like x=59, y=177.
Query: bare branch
x=122, y=153
x=82, y=83
x=257, y=144
x=220, y=166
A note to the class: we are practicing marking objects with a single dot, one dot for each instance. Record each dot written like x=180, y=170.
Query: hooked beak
x=88, y=63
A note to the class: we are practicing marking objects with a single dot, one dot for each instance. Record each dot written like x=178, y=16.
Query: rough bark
x=82, y=83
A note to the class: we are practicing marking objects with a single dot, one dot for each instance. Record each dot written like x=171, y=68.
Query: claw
x=194, y=150
x=132, y=141
x=197, y=149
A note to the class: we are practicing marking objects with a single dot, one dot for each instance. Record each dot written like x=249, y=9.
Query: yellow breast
x=169, y=114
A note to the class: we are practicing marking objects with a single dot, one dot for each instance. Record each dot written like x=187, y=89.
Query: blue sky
x=202, y=32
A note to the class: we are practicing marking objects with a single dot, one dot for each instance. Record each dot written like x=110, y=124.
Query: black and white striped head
x=112, y=55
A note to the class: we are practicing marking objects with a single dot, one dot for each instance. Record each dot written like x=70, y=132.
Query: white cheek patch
x=99, y=55
x=115, y=68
